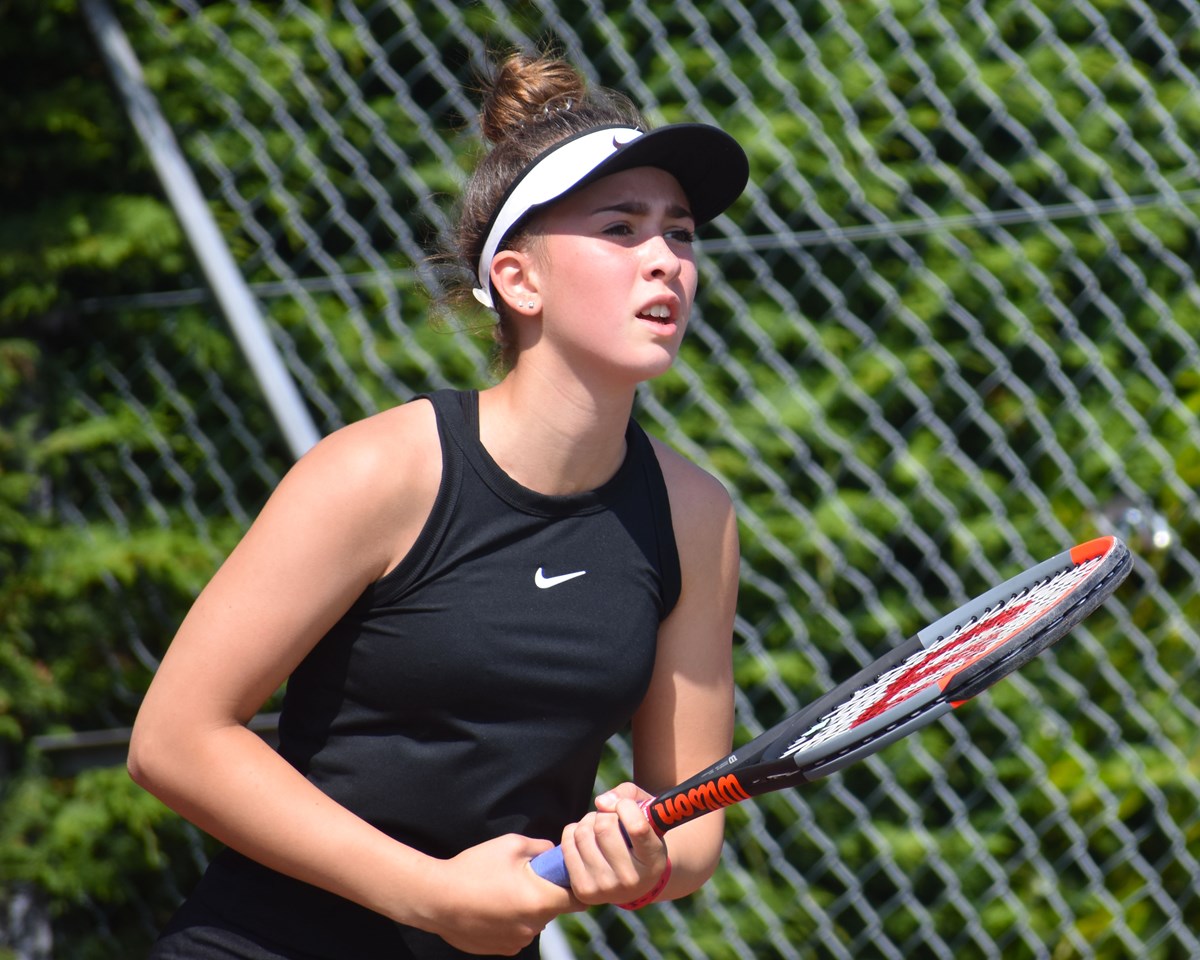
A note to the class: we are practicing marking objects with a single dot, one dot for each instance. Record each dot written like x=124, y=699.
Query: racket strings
x=947, y=656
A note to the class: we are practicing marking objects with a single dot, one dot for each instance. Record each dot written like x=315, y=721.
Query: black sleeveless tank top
x=469, y=693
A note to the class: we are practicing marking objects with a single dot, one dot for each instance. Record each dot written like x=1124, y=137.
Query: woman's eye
x=675, y=234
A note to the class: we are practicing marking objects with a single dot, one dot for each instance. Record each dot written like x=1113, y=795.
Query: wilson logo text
x=708, y=796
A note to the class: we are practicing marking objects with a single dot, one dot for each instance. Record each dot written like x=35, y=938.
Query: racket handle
x=551, y=866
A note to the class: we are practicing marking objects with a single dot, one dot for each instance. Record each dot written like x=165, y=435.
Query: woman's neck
x=552, y=439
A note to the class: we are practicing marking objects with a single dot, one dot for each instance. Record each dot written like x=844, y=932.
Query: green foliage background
x=82, y=218
x=101, y=552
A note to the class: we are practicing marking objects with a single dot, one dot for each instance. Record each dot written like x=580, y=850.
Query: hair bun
x=526, y=89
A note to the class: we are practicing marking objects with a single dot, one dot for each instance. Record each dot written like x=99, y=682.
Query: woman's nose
x=660, y=259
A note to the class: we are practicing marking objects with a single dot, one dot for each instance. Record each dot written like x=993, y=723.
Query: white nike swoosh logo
x=544, y=582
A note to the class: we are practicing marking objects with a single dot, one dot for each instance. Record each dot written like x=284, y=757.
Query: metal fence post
x=227, y=284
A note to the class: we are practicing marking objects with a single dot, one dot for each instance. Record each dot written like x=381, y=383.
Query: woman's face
x=616, y=273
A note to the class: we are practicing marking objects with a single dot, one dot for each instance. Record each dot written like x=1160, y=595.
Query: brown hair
x=529, y=104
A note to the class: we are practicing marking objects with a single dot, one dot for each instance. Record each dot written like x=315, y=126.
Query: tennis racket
x=944, y=665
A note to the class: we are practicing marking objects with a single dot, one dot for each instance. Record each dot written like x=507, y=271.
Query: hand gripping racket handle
x=551, y=866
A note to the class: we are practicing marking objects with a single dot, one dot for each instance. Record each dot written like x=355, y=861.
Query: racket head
x=921, y=682
x=1099, y=566
x=955, y=658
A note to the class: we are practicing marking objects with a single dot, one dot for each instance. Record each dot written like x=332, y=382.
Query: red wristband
x=648, y=898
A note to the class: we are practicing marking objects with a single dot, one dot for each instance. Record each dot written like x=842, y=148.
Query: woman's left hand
x=604, y=866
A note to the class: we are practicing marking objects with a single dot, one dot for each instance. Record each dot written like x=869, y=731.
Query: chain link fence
x=950, y=328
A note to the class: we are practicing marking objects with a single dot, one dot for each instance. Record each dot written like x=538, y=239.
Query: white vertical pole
x=554, y=943
x=224, y=279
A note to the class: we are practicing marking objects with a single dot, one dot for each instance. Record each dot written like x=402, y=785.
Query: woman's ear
x=514, y=278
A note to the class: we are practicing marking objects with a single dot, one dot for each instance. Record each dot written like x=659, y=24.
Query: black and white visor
x=709, y=164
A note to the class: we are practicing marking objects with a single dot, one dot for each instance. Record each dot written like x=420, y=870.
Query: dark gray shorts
x=194, y=935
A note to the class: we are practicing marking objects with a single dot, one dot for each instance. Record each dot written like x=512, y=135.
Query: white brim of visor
x=548, y=179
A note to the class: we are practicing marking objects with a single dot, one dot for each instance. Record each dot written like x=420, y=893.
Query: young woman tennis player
x=470, y=593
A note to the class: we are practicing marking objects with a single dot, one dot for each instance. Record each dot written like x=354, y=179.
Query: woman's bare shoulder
x=376, y=479
x=692, y=489
x=397, y=449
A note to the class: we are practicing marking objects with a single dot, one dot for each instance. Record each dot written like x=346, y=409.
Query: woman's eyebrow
x=641, y=208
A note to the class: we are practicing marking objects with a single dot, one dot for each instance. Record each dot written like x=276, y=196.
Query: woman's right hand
x=488, y=900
